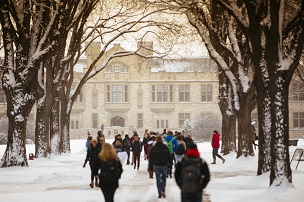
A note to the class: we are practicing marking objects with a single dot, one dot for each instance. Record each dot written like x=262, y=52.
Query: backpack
x=127, y=144
x=180, y=149
x=191, y=177
x=110, y=171
x=170, y=145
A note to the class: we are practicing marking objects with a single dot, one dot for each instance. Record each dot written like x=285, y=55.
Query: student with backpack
x=172, y=145
x=192, y=175
x=110, y=171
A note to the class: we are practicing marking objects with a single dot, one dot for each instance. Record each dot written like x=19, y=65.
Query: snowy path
x=62, y=178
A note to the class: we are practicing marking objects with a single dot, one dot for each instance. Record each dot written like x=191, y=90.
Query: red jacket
x=215, y=140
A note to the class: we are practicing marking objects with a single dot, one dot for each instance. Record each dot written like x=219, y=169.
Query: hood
x=192, y=152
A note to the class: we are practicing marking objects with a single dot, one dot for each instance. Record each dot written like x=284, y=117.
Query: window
x=206, y=93
x=139, y=120
x=125, y=69
x=162, y=124
x=162, y=93
x=298, y=119
x=2, y=96
x=117, y=67
x=117, y=93
x=184, y=93
x=298, y=91
x=95, y=121
x=182, y=118
x=2, y=93
x=95, y=99
x=74, y=125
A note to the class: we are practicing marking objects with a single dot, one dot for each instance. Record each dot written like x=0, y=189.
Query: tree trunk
x=18, y=110
x=54, y=127
x=228, y=129
x=64, y=146
x=244, y=128
x=280, y=172
x=245, y=145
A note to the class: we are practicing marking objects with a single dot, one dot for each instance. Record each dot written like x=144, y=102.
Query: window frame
x=162, y=93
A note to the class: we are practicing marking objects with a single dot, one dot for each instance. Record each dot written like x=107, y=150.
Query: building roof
x=183, y=65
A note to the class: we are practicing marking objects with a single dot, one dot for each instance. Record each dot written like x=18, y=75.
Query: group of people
x=162, y=151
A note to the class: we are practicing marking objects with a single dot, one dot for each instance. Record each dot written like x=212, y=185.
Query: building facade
x=134, y=93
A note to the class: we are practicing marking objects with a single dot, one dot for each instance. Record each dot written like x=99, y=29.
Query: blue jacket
x=174, y=142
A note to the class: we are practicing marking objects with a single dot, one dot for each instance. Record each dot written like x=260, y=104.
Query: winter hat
x=89, y=137
x=135, y=133
x=192, y=150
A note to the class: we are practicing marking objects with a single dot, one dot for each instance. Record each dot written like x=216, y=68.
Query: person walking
x=92, y=156
x=110, y=171
x=215, y=147
x=127, y=147
x=159, y=158
x=192, y=175
x=172, y=145
x=181, y=149
x=136, y=148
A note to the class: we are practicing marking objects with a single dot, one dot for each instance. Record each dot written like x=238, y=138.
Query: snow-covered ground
x=62, y=178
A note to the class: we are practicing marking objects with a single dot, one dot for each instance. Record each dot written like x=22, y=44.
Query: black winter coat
x=159, y=154
x=204, y=172
x=92, y=155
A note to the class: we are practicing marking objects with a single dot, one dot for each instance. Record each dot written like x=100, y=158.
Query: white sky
x=63, y=179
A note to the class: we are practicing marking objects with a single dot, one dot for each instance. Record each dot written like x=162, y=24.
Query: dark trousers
x=192, y=197
x=136, y=157
x=215, y=153
x=161, y=178
x=170, y=165
x=94, y=173
x=108, y=189
x=128, y=161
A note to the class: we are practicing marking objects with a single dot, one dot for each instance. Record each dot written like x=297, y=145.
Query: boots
x=214, y=161
x=151, y=173
x=223, y=159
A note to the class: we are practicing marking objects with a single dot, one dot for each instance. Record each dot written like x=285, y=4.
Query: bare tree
x=26, y=28
x=275, y=49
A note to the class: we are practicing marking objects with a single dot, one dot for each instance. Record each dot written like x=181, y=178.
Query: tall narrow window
x=117, y=67
x=95, y=120
x=206, y=93
x=298, y=119
x=139, y=120
x=95, y=99
x=182, y=118
x=184, y=93
x=162, y=124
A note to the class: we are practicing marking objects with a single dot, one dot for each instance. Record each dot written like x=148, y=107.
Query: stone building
x=134, y=93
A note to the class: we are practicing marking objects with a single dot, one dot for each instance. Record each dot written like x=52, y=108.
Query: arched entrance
x=118, y=121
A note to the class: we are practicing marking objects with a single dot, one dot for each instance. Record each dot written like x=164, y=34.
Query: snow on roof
x=183, y=65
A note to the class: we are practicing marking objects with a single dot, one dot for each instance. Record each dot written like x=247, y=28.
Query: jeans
x=192, y=197
x=161, y=177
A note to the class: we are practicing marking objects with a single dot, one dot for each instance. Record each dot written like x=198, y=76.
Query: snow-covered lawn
x=62, y=178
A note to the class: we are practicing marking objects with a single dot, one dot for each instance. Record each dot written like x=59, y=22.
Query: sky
x=62, y=178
